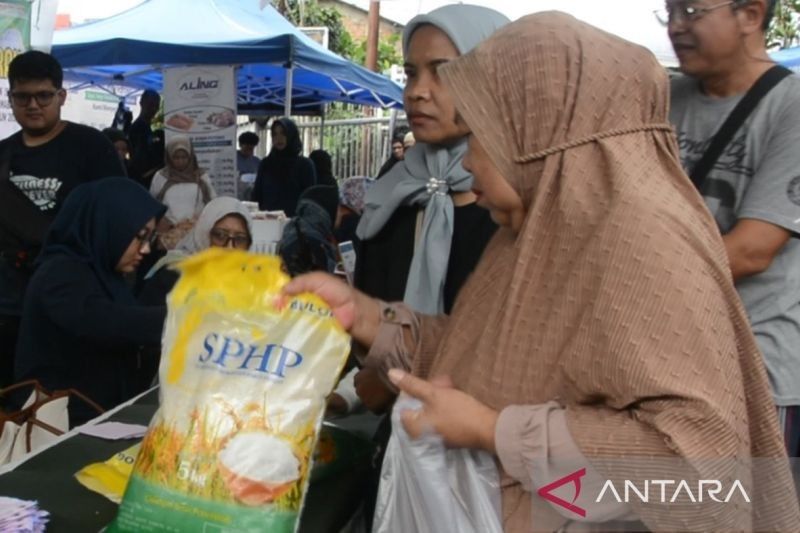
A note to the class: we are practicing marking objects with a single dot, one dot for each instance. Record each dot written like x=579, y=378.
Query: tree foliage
x=387, y=52
x=784, y=31
x=310, y=13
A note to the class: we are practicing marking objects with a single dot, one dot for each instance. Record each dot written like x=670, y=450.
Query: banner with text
x=200, y=102
x=15, y=38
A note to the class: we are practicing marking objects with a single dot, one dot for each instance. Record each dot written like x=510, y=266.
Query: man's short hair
x=769, y=14
x=115, y=135
x=150, y=94
x=248, y=138
x=35, y=65
x=399, y=133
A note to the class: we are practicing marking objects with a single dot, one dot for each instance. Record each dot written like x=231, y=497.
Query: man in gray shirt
x=753, y=190
x=247, y=163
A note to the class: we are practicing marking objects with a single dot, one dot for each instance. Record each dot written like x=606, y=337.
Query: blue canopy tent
x=279, y=65
x=788, y=57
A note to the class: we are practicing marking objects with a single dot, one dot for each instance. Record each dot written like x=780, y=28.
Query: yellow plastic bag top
x=110, y=477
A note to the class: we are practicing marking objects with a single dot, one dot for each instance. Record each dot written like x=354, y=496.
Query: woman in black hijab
x=284, y=174
x=307, y=243
x=81, y=326
x=323, y=167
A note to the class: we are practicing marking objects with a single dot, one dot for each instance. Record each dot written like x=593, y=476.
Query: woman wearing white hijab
x=422, y=233
x=224, y=222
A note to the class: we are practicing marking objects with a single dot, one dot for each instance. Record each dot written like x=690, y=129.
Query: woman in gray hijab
x=422, y=233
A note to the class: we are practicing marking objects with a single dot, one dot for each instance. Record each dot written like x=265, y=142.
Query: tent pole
x=387, y=146
x=322, y=128
x=287, y=109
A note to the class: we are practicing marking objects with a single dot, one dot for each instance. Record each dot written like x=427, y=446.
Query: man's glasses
x=221, y=237
x=146, y=237
x=23, y=99
x=687, y=12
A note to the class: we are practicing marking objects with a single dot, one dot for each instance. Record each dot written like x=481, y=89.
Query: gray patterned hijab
x=429, y=173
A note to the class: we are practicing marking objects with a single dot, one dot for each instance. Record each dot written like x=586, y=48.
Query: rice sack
x=243, y=390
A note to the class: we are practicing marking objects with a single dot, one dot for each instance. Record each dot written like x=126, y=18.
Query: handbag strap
x=30, y=423
x=31, y=383
x=78, y=394
x=33, y=419
x=735, y=119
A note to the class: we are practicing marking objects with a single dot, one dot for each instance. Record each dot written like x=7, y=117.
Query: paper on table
x=21, y=515
x=114, y=430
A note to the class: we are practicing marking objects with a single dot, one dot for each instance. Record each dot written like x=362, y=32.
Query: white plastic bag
x=426, y=487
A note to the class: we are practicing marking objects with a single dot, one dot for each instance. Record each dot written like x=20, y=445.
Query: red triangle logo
x=575, y=479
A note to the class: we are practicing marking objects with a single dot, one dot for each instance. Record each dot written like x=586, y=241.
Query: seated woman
x=224, y=222
x=351, y=204
x=183, y=187
x=600, y=338
x=81, y=326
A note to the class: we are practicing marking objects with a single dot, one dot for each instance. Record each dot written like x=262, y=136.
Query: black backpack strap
x=746, y=105
x=5, y=163
x=22, y=224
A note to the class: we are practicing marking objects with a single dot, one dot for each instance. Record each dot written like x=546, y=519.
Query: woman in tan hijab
x=183, y=187
x=600, y=338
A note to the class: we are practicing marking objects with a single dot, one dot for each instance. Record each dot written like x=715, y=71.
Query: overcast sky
x=631, y=19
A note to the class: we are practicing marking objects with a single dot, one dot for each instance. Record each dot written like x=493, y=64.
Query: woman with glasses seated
x=81, y=325
x=224, y=222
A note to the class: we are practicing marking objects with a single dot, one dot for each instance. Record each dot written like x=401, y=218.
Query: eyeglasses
x=23, y=99
x=148, y=238
x=687, y=12
x=222, y=238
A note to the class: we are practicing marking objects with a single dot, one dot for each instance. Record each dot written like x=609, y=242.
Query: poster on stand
x=15, y=38
x=200, y=102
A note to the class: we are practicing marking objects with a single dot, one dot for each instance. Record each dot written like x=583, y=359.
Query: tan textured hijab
x=192, y=174
x=615, y=298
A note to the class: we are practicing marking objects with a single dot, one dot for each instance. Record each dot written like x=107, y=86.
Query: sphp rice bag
x=243, y=389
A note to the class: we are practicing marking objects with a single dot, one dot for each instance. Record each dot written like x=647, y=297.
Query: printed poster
x=200, y=102
x=15, y=38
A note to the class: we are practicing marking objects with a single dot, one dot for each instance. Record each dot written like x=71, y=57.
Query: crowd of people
x=92, y=220
x=571, y=257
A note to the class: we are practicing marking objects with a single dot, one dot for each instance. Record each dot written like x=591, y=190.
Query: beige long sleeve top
x=533, y=442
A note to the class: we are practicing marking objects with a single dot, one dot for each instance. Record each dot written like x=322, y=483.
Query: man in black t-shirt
x=39, y=166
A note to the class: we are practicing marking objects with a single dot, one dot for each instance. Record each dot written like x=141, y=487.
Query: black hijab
x=323, y=164
x=96, y=225
x=307, y=241
x=326, y=196
x=294, y=146
x=284, y=174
